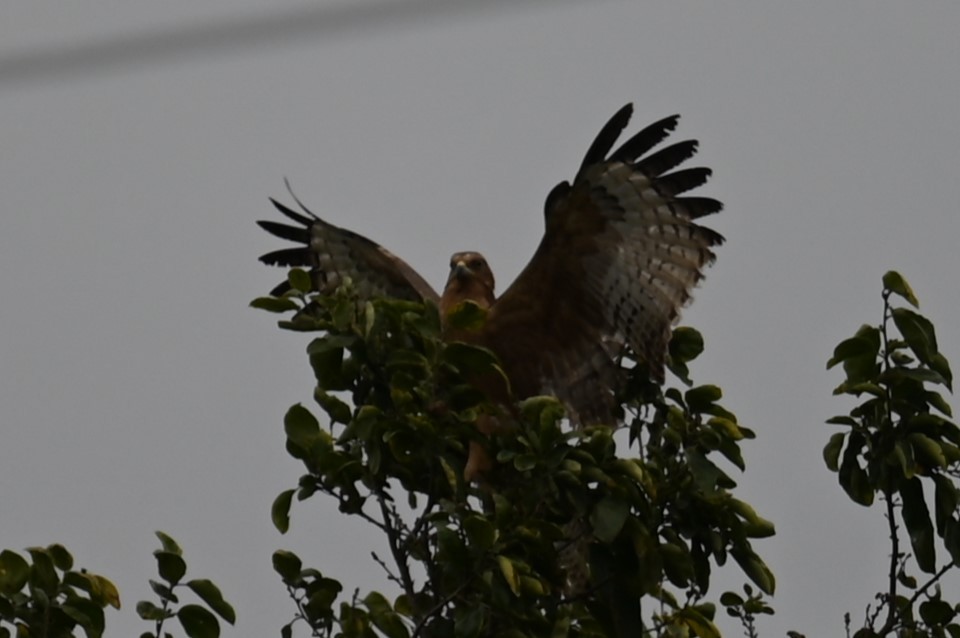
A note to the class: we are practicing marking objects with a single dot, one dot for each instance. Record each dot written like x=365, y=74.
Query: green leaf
x=917, y=331
x=164, y=592
x=168, y=544
x=468, y=621
x=541, y=409
x=450, y=474
x=831, y=451
x=936, y=400
x=274, y=304
x=61, y=557
x=384, y=618
x=467, y=316
x=326, y=360
x=85, y=613
x=467, y=358
x=102, y=591
x=946, y=499
x=323, y=593
x=904, y=456
x=940, y=364
x=705, y=472
x=907, y=581
x=936, y=612
x=730, y=599
x=481, y=533
x=608, y=517
x=525, y=462
x=755, y=569
x=951, y=539
x=929, y=450
x=300, y=280
x=280, y=511
x=916, y=518
x=197, y=622
x=853, y=348
x=756, y=526
x=853, y=479
x=287, y=564
x=148, y=611
x=171, y=566
x=701, y=397
x=14, y=572
x=686, y=344
x=701, y=626
x=337, y=410
x=509, y=574
x=895, y=283
x=210, y=594
x=43, y=575
x=301, y=427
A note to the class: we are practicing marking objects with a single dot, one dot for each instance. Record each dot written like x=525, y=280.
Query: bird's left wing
x=333, y=254
x=619, y=257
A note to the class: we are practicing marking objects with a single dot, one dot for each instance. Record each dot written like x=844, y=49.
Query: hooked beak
x=462, y=271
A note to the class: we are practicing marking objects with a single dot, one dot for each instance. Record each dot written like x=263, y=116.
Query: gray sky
x=138, y=391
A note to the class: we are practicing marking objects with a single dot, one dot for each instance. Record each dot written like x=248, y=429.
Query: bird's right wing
x=333, y=254
x=621, y=252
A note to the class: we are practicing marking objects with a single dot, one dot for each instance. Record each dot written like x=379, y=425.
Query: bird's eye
x=453, y=264
x=476, y=263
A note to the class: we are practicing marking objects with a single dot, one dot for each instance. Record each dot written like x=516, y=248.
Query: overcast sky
x=140, y=142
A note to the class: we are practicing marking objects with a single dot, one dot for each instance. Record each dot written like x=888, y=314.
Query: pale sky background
x=138, y=391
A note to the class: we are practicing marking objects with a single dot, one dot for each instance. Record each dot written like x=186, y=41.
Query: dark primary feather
x=291, y=233
x=701, y=206
x=645, y=140
x=606, y=138
x=333, y=254
x=288, y=257
x=667, y=158
x=682, y=181
x=292, y=214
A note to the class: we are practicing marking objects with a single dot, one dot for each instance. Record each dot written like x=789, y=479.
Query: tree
x=589, y=532
x=506, y=557
x=47, y=598
x=899, y=445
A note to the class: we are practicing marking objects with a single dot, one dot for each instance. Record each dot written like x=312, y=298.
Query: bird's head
x=470, y=276
x=470, y=267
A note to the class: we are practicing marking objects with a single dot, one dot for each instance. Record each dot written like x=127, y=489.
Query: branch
x=390, y=575
x=930, y=583
x=891, y=620
x=394, y=541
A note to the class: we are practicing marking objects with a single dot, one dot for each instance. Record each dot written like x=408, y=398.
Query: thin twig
x=390, y=575
x=933, y=580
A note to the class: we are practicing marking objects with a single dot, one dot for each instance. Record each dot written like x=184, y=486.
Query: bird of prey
x=620, y=254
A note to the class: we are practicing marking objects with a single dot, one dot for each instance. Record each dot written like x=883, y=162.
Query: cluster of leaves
x=197, y=621
x=500, y=558
x=45, y=597
x=899, y=444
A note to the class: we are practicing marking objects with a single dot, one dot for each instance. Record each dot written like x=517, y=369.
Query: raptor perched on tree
x=621, y=252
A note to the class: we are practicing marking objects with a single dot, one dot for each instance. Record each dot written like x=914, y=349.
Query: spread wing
x=333, y=254
x=619, y=257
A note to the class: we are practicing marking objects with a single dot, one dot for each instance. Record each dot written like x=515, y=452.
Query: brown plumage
x=620, y=254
